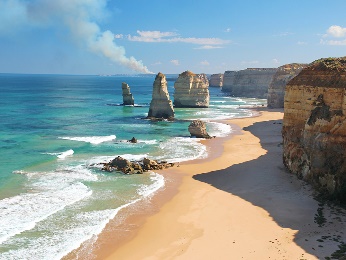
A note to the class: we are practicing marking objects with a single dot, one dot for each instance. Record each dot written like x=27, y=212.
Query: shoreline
x=219, y=207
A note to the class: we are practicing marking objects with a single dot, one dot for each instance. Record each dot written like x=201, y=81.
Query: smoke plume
x=79, y=16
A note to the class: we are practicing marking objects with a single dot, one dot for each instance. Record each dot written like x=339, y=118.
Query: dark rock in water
x=128, y=167
x=198, y=129
x=133, y=140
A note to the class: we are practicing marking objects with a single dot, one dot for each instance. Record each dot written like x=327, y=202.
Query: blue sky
x=114, y=37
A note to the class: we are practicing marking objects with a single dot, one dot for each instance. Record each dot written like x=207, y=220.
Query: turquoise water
x=55, y=128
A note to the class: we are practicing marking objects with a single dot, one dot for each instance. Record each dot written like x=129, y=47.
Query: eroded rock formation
x=127, y=96
x=216, y=80
x=160, y=105
x=197, y=128
x=252, y=82
x=204, y=78
x=314, y=126
x=190, y=91
x=276, y=90
x=136, y=167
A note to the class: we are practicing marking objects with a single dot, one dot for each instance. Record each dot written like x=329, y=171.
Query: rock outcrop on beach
x=314, y=126
x=216, y=80
x=283, y=75
x=197, y=128
x=160, y=106
x=252, y=82
x=190, y=91
x=137, y=167
x=128, y=99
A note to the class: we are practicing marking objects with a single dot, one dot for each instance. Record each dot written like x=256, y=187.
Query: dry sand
x=240, y=203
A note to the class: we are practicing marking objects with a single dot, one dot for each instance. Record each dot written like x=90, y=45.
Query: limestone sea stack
x=314, y=126
x=197, y=128
x=252, y=82
x=204, y=78
x=283, y=75
x=160, y=105
x=127, y=96
x=216, y=80
x=190, y=91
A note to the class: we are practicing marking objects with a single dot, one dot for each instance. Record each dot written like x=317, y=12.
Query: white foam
x=63, y=155
x=218, y=129
x=179, y=149
x=49, y=192
x=90, y=139
x=158, y=182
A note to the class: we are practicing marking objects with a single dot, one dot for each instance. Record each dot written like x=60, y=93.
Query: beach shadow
x=266, y=183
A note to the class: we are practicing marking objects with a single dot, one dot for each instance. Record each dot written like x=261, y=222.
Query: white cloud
x=208, y=47
x=284, y=34
x=118, y=36
x=157, y=36
x=228, y=30
x=302, y=43
x=175, y=62
x=336, y=31
x=275, y=61
x=157, y=63
x=205, y=63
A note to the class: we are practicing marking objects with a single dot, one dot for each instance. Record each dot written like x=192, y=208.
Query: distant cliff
x=252, y=82
x=216, y=80
x=283, y=75
x=314, y=126
x=190, y=91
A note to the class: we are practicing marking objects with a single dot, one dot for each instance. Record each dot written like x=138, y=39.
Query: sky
x=92, y=37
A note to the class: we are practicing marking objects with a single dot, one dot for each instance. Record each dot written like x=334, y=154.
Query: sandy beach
x=240, y=203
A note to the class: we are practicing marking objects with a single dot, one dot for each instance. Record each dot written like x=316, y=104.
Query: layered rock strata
x=314, y=126
x=252, y=82
x=197, y=128
x=190, y=91
x=216, y=80
x=283, y=75
x=160, y=105
x=128, y=99
x=204, y=78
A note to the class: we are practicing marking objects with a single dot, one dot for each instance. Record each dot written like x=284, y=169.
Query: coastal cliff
x=216, y=80
x=276, y=90
x=127, y=96
x=204, y=78
x=252, y=82
x=160, y=105
x=190, y=91
x=314, y=126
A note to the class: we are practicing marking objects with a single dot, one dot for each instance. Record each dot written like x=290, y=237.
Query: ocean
x=54, y=131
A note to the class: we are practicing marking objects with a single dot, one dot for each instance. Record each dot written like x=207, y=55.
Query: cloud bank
x=79, y=16
x=338, y=35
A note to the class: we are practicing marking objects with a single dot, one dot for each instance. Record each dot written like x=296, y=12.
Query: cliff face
x=276, y=90
x=127, y=96
x=160, y=105
x=216, y=80
x=190, y=91
x=314, y=126
x=252, y=82
x=204, y=78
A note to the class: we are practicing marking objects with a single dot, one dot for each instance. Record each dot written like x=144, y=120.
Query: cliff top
x=329, y=64
x=327, y=72
x=187, y=73
x=160, y=75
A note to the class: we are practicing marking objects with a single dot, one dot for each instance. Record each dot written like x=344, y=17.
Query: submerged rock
x=314, y=126
x=127, y=96
x=190, y=91
x=160, y=105
x=197, y=128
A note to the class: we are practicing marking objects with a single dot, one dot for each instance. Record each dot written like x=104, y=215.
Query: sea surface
x=55, y=129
